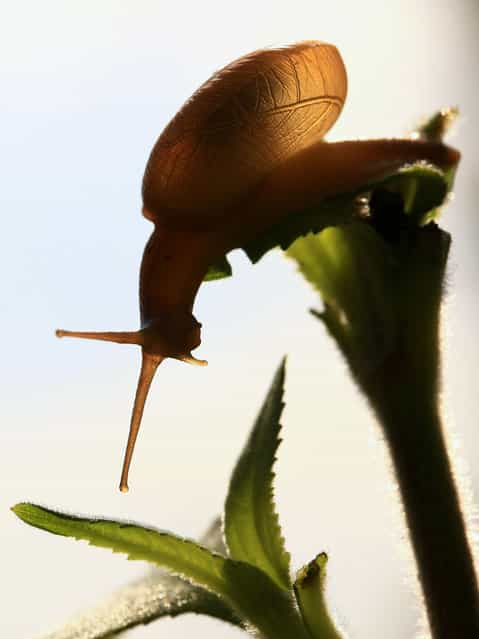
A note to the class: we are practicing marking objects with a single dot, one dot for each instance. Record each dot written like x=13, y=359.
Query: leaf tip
x=23, y=510
x=309, y=573
x=281, y=371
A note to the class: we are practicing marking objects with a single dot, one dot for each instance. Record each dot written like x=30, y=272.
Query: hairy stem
x=404, y=393
x=414, y=434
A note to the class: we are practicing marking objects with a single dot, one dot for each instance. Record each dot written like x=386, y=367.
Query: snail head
x=173, y=334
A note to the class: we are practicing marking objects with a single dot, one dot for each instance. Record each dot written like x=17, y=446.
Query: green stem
x=404, y=392
x=435, y=521
x=382, y=285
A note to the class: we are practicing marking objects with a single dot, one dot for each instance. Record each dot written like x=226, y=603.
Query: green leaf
x=251, y=524
x=422, y=188
x=371, y=290
x=354, y=270
x=150, y=598
x=309, y=591
x=218, y=270
x=247, y=590
x=183, y=557
x=156, y=595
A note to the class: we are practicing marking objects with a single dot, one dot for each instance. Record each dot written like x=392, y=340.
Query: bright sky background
x=86, y=89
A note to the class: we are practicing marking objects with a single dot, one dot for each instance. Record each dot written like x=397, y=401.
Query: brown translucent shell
x=241, y=124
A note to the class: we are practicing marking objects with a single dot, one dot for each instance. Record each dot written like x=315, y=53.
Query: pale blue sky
x=86, y=89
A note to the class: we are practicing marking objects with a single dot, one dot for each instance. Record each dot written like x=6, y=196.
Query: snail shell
x=239, y=126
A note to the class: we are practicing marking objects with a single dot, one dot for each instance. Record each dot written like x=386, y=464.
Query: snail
x=244, y=151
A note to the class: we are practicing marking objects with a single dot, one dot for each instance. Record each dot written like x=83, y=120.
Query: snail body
x=244, y=151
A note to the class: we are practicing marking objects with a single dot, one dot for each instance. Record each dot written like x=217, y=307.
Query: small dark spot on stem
x=387, y=214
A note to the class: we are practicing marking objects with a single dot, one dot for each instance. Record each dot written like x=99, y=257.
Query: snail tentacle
x=149, y=364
